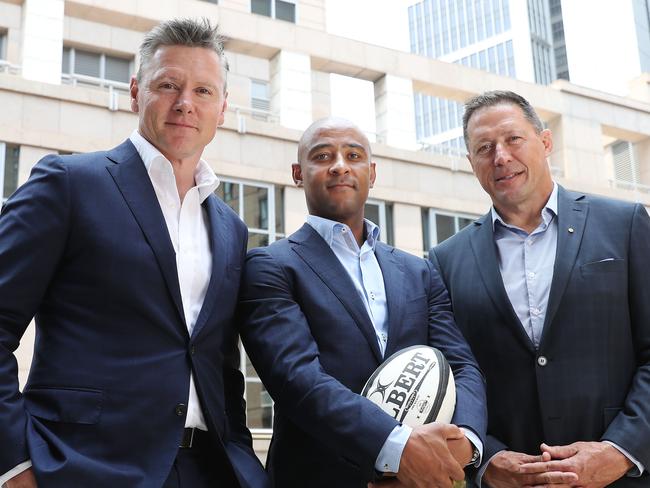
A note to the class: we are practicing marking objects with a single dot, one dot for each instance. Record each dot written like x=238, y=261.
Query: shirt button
x=180, y=409
x=542, y=361
x=531, y=275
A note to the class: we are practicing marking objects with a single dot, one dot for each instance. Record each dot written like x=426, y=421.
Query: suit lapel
x=572, y=215
x=315, y=252
x=219, y=251
x=134, y=183
x=485, y=254
x=394, y=284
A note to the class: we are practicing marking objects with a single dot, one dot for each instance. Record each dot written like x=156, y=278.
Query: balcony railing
x=245, y=113
x=629, y=185
x=7, y=67
x=114, y=87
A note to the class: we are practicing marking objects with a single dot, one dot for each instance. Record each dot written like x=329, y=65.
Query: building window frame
x=4, y=154
x=274, y=231
x=72, y=76
x=430, y=236
x=386, y=223
x=274, y=9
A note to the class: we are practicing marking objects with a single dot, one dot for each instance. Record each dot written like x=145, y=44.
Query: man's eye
x=515, y=139
x=167, y=86
x=484, y=149
x=321, y=157
x=203, y=91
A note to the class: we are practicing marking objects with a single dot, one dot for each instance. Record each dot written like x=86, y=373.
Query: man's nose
x=501, y=154
x=339, y=165
x=183, y=102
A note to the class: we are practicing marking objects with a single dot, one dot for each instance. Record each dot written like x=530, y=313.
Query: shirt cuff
x=476, y=442
x=479, y=475
x=637, y=469
x=15, y=472
x=391, y=452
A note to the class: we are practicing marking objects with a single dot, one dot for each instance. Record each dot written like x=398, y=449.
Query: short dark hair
x=498, y=97
x=183, y=32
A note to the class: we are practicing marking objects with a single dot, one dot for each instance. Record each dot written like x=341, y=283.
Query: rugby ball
x=415, y=386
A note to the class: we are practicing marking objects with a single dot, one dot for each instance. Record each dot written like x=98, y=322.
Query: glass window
x=261, y=7
x=285, y=11
x=278, y=9
x=381, y=213
x=438, y=226
x=3, y=45
x=9, y=156
x=257, y=205
x=95, y=65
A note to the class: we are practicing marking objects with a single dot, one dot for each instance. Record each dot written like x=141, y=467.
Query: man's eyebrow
x=318, y=147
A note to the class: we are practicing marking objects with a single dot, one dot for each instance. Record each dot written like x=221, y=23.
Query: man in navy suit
x=552, y=290
x=323, y=308
x=131, y=266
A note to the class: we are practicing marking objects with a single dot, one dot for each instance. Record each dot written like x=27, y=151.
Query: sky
x=386, y=25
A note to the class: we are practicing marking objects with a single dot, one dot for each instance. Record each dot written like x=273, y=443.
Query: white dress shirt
x=187, y=223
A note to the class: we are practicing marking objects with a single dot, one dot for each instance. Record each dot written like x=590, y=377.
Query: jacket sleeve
x=630, y=429
x=33, y=231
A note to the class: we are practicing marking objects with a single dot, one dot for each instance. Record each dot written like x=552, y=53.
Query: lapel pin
x=570, y=230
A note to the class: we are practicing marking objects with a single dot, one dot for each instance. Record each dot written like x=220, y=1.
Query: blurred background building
x=65, y=67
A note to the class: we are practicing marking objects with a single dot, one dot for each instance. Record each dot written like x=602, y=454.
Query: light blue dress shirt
x=363, y=268
x=526, y=264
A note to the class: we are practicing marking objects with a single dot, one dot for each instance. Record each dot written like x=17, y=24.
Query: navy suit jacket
x=595, y=383
x=312, y=342
x=85, y=249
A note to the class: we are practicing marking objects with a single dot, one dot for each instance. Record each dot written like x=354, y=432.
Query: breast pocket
x=606, y=266
x=71, y=405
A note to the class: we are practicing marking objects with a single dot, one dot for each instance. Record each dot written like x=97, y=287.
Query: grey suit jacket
x=593, y=382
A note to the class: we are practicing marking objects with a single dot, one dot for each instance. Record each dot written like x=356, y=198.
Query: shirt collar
x=204, y=177
x=548, y=212
x=326, y=229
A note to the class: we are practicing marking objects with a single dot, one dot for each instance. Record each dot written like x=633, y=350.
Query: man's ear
x=296, y=173
x=373, y=173
x=133, y=89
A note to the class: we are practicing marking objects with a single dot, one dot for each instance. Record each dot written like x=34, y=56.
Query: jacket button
x=192, y=350
x=542, y=361
x=180, y=409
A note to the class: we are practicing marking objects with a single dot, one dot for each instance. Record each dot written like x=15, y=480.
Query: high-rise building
x=507, y=37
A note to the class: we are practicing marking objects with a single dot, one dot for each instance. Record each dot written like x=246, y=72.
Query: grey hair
x=498, y=97
x=182, y=32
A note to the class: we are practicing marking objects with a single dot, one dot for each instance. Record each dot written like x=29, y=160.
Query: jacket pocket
x=71, y=405
x=602, y=267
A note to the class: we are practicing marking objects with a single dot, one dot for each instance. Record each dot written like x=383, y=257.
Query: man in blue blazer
x=323, y=308
x=552, y=290
x=131, y=266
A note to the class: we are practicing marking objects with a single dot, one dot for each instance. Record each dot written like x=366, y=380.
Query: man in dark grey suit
x=552, y=290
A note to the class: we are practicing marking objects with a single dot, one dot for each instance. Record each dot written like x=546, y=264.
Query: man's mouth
x=509, y=176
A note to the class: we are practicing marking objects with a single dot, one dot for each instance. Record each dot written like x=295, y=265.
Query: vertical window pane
x=371, y=212
x=285, y=11
x=445, y=227
x=117, y=69
x=229, y=193
x=388, y=231
x=262, y=7
x=258, y=405
x=3, y=45
x=256, y=207
x=463, y=222
x=426, y=231
x=86, y=63
x=65, y=61
x=279, y=210
x=12, y=153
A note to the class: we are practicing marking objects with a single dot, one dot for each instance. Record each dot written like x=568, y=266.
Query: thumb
x=559, y=452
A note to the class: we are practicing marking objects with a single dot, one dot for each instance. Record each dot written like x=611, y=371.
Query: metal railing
x=629, y=185
x=245, y=113
x=456, y=154
x=7, y=67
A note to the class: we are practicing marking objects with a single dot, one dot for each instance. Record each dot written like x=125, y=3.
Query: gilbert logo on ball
x=415, y=386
